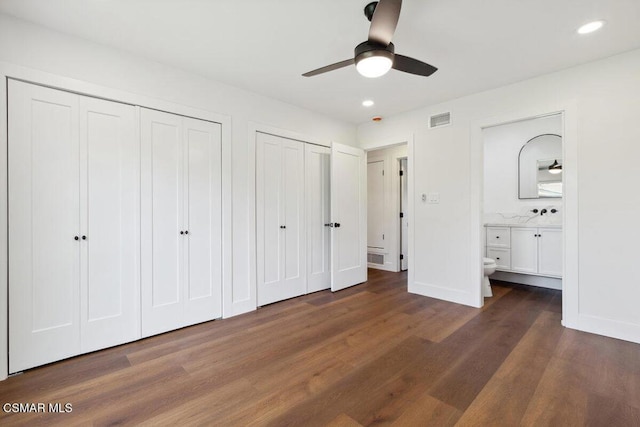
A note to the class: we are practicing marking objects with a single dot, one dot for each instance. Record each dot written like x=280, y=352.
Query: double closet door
x=292, y=216
x=73, y=173
x=182, y=221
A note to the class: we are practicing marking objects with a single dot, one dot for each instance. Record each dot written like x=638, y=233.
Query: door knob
x=337, y=224
x=181, y=232
x=186, y=232
x=84, y=237
x=76, y=238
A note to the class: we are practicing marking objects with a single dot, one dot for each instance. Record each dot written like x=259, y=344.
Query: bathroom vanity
x=526, y=249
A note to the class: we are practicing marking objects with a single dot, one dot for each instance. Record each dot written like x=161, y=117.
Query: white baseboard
x=609, y=328
x=446, y=294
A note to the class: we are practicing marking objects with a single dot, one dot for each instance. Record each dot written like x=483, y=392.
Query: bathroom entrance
x=522, y=203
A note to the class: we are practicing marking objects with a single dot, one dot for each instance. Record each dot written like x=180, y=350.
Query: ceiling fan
x=376, y=56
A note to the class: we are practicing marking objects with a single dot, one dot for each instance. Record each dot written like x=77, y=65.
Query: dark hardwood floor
x=371, y=354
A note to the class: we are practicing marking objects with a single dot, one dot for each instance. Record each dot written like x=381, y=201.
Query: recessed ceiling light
x=367, y=103
x=590, y=27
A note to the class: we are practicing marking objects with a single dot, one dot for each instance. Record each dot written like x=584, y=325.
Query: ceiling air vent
x=438, y=120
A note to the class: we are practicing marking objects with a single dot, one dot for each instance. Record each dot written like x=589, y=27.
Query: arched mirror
x=540, y=167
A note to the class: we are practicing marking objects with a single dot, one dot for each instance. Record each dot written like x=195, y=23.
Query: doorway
x=387, y=240
x=522, y=208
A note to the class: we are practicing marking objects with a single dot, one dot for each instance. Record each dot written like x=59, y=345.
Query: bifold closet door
x=317, y=203
x=182, y=280
x=73, y=245
x=44, y=218
x=281, y=263
x=110, y=224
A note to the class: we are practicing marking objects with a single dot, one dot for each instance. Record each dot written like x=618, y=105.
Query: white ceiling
x=265, y=45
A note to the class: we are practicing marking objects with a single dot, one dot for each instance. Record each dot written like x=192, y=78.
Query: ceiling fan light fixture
x=555, y=168
x=590, y=27
x=374, y=65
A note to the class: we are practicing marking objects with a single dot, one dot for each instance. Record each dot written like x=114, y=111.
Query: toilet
x=489, y=269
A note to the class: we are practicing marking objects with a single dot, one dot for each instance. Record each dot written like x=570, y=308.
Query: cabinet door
x=110, y=188
x=44, y=257
x=162, y=211
x=524, y=250
x=317, y=212
x=203, y=189
x=550, y=251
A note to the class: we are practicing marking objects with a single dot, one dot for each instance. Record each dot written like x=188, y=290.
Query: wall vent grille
x=438, y=120
x=375, y=259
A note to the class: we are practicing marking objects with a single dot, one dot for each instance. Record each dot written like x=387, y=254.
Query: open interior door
x=348, y=216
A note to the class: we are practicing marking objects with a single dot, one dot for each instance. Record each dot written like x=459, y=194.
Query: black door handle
x=186, y=232
x=84, y=237
x=76, y=238
x=181, y=232
x=328, y=225
x=283, y=226
x=337, y=224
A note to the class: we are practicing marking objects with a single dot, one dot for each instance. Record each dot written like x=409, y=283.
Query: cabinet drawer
x=502, y=257
x=498, y=237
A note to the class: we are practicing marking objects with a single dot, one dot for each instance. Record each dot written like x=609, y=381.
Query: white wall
x=601, y=101
x=387, y=220
x=502, y=145
x=38, y=48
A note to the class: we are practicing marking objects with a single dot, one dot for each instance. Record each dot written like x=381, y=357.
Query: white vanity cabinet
x=499, y=246
x=526, y=249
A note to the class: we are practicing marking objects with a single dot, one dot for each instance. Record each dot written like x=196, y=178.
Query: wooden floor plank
x=372, y=354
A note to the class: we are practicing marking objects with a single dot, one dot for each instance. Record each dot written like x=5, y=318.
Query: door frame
x=570, y=279
x=81, y=87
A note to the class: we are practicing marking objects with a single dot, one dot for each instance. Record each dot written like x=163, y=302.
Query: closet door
x=163, y=210
x=110, y=188
x=202, y=292
x=182, y=221
x=44, y=256
x=318, y=217
x=280, y=218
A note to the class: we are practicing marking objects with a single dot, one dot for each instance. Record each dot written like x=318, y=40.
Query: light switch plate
x=433, y=198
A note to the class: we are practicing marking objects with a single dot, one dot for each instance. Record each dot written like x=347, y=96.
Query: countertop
x=524, y=224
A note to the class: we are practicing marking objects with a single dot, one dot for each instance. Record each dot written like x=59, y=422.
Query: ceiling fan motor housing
x=368, y=49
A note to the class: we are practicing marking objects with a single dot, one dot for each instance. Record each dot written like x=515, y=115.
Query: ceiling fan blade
x=331, y=67
x=384, y=21
x=413, y=66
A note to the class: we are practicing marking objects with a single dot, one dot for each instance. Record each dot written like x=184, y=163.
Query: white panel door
x=281, y=265
x=318, y=214
x=163, y=210
x=550, y=251
x=269, y=238
x=44, y=255
x=349, y=216
x=110, y=189
x=524, y=250
x=375, y=204
x=203, y=256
